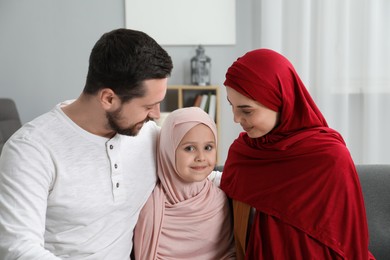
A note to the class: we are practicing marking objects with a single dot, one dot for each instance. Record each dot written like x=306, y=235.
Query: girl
x=187, y=216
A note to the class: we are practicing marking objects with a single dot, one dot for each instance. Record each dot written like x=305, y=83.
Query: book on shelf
x=207, y=106
x=207, y=102
x=197, y=101
x=203, y=102
x=212, y=106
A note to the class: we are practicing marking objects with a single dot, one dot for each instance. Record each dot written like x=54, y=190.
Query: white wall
x=44, y=48
x=45, y=45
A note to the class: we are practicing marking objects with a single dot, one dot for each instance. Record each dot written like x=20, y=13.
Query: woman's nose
x=236, y=117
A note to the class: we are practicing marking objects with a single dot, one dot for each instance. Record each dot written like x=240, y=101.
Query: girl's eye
x=189, y=148
x=246, y=112
x=209, y=147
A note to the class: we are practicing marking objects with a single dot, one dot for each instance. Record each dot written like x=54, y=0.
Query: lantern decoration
x=200, y=68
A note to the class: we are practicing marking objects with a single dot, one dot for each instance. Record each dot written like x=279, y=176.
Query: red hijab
x=301, y=172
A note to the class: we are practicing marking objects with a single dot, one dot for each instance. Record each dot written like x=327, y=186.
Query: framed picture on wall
x=184, y=22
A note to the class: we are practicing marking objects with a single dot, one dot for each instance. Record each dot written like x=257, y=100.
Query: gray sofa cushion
x=375, y=182
x=9, y=120
x=7, y=128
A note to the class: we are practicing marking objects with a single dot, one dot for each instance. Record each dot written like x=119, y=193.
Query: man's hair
x=122, y=59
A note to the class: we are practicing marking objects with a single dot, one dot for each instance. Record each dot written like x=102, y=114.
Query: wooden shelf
x=179, y=96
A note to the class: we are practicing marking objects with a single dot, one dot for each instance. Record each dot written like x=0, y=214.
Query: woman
x=187, y=216
x=295, y=189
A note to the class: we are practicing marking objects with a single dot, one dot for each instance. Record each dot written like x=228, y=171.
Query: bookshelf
x=179, y=96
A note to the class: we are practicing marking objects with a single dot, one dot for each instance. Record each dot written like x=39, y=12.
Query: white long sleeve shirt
x=68, y=194
x=215, y=177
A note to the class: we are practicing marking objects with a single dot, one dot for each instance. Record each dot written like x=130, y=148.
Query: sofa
x=375, y=182
x=9, y=120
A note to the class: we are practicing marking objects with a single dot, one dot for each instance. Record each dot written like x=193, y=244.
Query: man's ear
x=108, y=99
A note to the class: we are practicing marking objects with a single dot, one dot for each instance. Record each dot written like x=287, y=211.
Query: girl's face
x=196, y=154
x=256, y=119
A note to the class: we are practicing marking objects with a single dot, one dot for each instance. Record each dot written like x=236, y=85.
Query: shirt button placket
x=116, y=177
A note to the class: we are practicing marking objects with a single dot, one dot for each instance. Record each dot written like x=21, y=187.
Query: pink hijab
x=183, y=220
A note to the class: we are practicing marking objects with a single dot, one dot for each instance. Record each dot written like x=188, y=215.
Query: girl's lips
x=198, y=168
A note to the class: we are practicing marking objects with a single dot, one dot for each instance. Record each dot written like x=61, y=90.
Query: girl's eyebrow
x=190, y=143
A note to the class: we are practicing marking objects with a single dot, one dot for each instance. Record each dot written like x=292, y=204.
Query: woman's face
x=256, y=119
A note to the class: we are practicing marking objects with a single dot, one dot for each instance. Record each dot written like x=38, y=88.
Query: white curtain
x=341, y=49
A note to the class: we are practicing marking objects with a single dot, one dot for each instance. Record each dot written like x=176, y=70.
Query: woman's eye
x=246, y=112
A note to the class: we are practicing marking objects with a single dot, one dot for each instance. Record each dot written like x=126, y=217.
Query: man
x=73, y=181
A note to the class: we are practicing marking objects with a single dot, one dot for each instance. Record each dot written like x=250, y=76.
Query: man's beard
x=113, y=118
